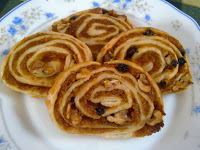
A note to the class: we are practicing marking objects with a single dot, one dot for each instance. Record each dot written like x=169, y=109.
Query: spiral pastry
x=160, y=54
x=95, y=27
x=33, y=64
x=115, y=100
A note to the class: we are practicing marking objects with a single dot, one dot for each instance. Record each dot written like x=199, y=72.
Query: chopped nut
x=155, y=119
x=115, y=82
x=48, y=70
x=111, y=101
x=84, y=73
x=38, y=64
x=68, y=110
x=168, y=59
x=148, y=67
x=73, y=114
x=108, y=83
x=119, y=118
x=75, y=117
x=187, y=77
x=144, y=83
x=42, y=69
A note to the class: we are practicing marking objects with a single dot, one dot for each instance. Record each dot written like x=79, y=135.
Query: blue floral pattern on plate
x=147, y=18
x=4, y=145
x=138, y=5
x=5, y=52
x=197, y=110
x=17, y=20
x=134, y=5
x=20, y=25
x=49, y=15
x=95, y=4
x=12, y=30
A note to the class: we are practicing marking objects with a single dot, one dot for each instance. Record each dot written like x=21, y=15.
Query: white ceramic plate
x=25, y=123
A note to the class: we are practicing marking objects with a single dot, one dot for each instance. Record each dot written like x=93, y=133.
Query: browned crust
x=95, y=11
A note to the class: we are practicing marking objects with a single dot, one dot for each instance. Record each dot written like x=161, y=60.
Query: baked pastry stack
x=117, y=96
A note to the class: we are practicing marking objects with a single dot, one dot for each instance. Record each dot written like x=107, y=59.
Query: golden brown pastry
x=34, y=63
x=95, y=27
x=115, y=100
x=160, y=54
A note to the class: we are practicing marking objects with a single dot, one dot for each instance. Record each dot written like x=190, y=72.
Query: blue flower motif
x=17, y=21
x=12, y=30
x=187, y=50
x=95, y=4
x=1, y=141
x=128, y=1
x=124, y=5
x=147, y=18
x=5, y=52
x=23, y=27
x=197, y=109
x=199, y=79
x=49, y=15
x=116, y=1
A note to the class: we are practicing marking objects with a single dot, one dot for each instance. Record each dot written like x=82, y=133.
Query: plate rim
x=23, y=4
x=164, y=1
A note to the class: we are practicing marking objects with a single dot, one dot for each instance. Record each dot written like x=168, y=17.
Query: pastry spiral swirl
x=115, y=100
x=34, y=63
x=160, y=54
x=95, y=27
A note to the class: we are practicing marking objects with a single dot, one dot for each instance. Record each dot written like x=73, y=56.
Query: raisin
x=181, y=61
x=174, y=63
x=162, y=84
x=131, y=51
x=149, y=32
x=72, y=99
x=122, y=67
x=105, y=12
x=99, y=109
x=73, y=18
